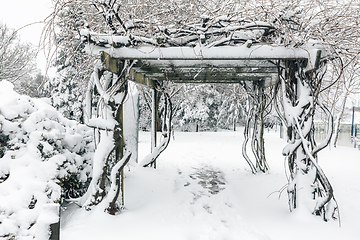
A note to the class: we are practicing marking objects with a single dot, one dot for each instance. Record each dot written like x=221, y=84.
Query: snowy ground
x=203, y=189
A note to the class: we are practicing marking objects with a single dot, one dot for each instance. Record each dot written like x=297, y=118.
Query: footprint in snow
x=210, y=179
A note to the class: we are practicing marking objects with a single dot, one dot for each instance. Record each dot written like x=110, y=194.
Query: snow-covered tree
x=67, y=94
x=207, y=106
x=199, y=108
x=17, y=63
x=68, y=87
x=233, y=104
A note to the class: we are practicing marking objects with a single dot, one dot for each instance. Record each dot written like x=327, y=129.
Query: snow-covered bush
x=43, y=156
x=66, y=93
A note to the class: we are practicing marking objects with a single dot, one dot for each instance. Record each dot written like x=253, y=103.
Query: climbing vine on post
x=258, y=102
x=308, y=185
x=107, y=91
x=150, y=160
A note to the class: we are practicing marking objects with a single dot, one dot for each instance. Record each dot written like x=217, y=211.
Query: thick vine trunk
x=308, y=185
x=117, y=187
x=150, y=159
x=257, y=102
x=258, y=143
x=246, y=139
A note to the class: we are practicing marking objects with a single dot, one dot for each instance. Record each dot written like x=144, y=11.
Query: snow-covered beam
x=242, y=52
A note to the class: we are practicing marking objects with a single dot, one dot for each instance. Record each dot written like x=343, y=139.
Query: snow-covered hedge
x=42, y=156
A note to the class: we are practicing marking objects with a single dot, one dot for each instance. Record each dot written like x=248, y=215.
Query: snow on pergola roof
x=227, y=51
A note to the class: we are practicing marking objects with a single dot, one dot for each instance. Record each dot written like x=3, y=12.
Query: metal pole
x=352, y=123
x=153, y=122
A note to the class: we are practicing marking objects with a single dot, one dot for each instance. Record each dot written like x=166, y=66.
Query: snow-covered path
x=203, y=189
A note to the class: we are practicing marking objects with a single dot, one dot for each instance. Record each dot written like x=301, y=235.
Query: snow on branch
x=232, y=39
x=227, y=31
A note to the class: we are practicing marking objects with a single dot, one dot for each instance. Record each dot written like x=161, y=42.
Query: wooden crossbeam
x=111, y=64
x=114, y=65
x=207, y=77
x=239, y=70
x=140, y=78
x=193, y=72
x=205, y=63
x=148, y=72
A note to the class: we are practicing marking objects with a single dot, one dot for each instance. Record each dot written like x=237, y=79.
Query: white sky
x=19, y=13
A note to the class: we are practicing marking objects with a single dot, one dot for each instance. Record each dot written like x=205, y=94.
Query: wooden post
x=119, y=140
x=262, y=108
x=55, y=231
x=154, y=110
x=55, y=228
x=131, y=122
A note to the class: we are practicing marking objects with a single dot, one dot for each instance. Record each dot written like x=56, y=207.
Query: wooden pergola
x=228, y=51
x=221, y=50
x=226, y=65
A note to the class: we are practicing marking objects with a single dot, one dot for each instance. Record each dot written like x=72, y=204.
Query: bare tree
x=31, y=85
x=336, y=98
x=17, y=59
